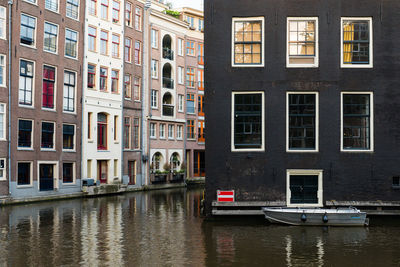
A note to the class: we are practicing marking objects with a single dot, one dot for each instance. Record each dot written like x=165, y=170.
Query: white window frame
x=58, y=34
x=32, y=132
x=54, y=136
x=180, y=102
x=371, y=118
x=75, y=91
x=54, y=89
x=154, y=69
x=58, y=6
x=316, y=122
x=262, y=42
x=171, y=130
x=181, y=74
x=77, y=43
x=69, y=150
x=4, y=11
x=79, y=6
x=4, y=122
x=371, y=45
x=154, y=38
x=31, y=175
x=179, y=132
x=153, y=131
x=304, y=172
x=33, y=83
x=73, y=174
x=180, y=47
x=4, y=169
x=155, y=100
x=233, y=149
x=316, y=38
x=4, y=70
x=162, y=131
x=34, y=34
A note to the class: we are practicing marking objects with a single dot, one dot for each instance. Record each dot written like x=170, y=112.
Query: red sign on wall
x=226, y=195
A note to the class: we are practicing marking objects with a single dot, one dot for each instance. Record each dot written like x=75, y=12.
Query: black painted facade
x=347, y=176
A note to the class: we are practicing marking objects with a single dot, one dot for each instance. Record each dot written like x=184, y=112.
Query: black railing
x=168, y=53
x=168, y=110
x=168, y=83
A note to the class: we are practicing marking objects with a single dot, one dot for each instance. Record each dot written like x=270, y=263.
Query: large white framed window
x=26, y=85
x=302, y=42
x=71, y=43
x=357, y=122
x=154, y=38
x=302, y=121
x=180, y=47
x=24, y=174
x=356, y=42
x=162, y=131
x=304, y=188
x=69, y=91
x=28, y=30
x=180, y=103
x=72, y=9
x=247, y=121
x=51, y=5
x=248, y=42
x=3, y=22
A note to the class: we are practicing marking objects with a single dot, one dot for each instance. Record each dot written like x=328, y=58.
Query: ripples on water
x=164, y=228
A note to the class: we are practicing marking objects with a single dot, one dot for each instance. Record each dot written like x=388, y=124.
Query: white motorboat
x=316, y=216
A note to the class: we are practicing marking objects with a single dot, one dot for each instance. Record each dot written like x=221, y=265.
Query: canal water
x=165, y=228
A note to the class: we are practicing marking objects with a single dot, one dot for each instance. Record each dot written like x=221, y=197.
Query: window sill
x=302, y=151
x=248, y=66
x=90, y=140
x=356, y=151
x=3, y=139
x=24, y=186
x=25, y=149
x=49, y=109
x=396, y=187
x=69, y=112
x=28, y=46
x=153, y=137
x=53, y=11
x=69, y=150
x=138, y=101
x=26, y=106
x=69, y=184
x=34, y=4
x=51, y=52
x=47, y=149
x=73, y=58
x=76, y=19
x=356, y=66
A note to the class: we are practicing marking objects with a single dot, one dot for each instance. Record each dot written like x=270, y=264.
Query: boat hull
x=316, y=217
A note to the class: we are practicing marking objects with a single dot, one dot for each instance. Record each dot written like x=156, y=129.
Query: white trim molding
x=316, y=48
x=290, y=172
x=262, y=19
x=371, y=119
x=316, y=149
x=262, y=148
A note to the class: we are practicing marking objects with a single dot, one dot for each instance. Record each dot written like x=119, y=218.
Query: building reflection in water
x=165, y=228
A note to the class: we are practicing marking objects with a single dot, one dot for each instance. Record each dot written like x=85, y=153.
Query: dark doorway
x=46, y=177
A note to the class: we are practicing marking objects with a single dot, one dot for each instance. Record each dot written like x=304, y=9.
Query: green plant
x=175, y=14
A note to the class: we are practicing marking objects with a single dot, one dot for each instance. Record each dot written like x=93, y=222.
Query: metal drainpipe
x=10, y=3
x=184, y=125
x=121, y=125
x=83, y=101
x=145, y=71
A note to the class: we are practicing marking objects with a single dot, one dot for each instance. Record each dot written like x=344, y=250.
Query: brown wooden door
x=102, y=171
x=132, y=172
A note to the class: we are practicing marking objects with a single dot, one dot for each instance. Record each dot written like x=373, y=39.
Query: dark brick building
x=302, y=101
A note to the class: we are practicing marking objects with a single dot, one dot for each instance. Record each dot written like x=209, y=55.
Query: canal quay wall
x=101, y=190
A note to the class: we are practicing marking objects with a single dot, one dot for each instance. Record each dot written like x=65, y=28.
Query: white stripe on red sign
x=226, y=196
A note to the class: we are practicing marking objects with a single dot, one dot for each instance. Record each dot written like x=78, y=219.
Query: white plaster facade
x=107, y=102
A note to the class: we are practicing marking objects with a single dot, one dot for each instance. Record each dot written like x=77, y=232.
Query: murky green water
x=164, y=228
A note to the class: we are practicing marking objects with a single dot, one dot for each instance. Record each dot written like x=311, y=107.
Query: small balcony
x=168, y=53
x=168, y=83
x=168, y=110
